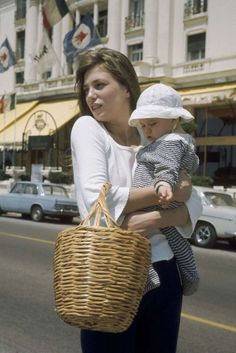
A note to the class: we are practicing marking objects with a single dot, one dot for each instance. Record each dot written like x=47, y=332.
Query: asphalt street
x=29, y=324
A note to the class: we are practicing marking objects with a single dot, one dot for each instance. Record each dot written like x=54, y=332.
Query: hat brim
x=158, y=111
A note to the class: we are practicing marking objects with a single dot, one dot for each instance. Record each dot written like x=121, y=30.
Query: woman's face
x=106, y=98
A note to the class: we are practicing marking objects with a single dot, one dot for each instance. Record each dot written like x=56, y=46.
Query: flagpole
x=4, y=141
x=9, y=61
x=14, y=142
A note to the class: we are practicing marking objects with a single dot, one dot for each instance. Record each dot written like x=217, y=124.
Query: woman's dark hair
x=116, y=63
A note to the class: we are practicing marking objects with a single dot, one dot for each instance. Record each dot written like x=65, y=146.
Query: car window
x=18, y=189
x=47, y=189
x=59, y=191
x=54, y=190
x=31, y=189
x=218, y=199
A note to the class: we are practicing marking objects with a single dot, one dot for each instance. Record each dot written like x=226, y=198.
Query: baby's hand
x=165, y=194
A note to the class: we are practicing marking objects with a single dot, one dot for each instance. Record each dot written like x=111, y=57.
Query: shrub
x=202, y=180
x=3, y=175
x=60, y=178
x=189, y=127
x=24, y=177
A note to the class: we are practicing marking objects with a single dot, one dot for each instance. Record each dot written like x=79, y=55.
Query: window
x=135, y=52
x=19, y=77
x=102, y=23
x=31, y=189
x=196, y=46
x=199, y=6
x=46, y=75
x=136, y=8
x=136, y=15
x=194, y=7
x=20, y=45
x=18, y=189
x=20, y=9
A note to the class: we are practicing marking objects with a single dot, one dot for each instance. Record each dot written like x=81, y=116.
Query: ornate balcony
x=194, y=7
x=134, y=22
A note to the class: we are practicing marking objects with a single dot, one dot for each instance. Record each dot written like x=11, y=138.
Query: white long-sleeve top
x=98, y=159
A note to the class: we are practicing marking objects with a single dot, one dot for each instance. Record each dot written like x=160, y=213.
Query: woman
x=103, y=150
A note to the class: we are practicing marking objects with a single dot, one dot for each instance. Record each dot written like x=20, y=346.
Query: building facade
x=187, y=44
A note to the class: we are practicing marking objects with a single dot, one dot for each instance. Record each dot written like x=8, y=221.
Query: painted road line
x=27, y=238
x=209, y=322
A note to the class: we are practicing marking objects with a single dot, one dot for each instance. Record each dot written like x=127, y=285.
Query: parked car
x=37, y=200
x=218, y=219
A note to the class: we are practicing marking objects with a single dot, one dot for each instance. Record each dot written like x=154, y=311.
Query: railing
x=65, y=82
x=192, y=7
x=193, y=67
x=133, y=22
x=20, y=14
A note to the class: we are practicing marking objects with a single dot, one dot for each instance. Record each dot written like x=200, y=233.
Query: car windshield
x=55, y=190
x=218, y=199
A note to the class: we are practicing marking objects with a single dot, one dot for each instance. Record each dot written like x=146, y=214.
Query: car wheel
x=232, y=242
x=204, y=235
x=36, y=214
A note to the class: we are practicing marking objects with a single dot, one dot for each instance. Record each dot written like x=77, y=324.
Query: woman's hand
x=183, y=188
x=146, y=222
x=140, y=222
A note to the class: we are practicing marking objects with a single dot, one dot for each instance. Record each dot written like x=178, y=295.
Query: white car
x=218, y=219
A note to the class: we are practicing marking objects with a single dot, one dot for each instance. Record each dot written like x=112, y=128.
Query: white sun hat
x=159, y=101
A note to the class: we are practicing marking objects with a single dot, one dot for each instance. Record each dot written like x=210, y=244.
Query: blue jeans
x=155, y=327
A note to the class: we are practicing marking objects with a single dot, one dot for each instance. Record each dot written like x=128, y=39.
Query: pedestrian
x=170, y=149
x=103, y=150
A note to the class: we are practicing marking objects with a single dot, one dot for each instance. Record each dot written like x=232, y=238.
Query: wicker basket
x=100, y=272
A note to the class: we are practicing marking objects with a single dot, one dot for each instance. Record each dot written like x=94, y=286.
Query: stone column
x=95, y=14
x=124, y=14
x=77, y=17
x=150, y=36
x=114, y=24
x=31, y=35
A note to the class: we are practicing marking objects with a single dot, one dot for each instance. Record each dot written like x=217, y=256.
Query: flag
x=7, y=57
x=7, y=102
x=81, y=38
x=53, y=11
x=45, y=56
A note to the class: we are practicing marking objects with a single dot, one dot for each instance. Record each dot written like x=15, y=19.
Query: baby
x=158, y=113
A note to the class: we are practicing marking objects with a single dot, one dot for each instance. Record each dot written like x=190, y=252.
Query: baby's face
x=154, y=128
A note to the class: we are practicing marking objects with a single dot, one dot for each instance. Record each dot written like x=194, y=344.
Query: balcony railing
x=20, y=14
x=192, y=8
x=133, y=22
x=190, y=68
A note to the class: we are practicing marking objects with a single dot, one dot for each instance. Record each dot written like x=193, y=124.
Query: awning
x=209, y=95
x=218, y=93
x=42, y=119
x=16, y=114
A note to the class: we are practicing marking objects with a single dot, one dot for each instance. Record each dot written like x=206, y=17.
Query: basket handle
x=100, y=207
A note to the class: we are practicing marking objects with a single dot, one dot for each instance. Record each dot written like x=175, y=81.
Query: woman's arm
x=140, y=198
x=146, y=222
x=183, y=217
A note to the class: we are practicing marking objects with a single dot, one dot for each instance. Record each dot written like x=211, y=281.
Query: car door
x=29, y=197
x=11, y=201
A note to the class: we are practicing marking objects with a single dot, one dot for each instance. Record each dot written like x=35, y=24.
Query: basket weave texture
x=100, y=272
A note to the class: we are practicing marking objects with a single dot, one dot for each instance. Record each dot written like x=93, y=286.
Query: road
x=29, y=324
